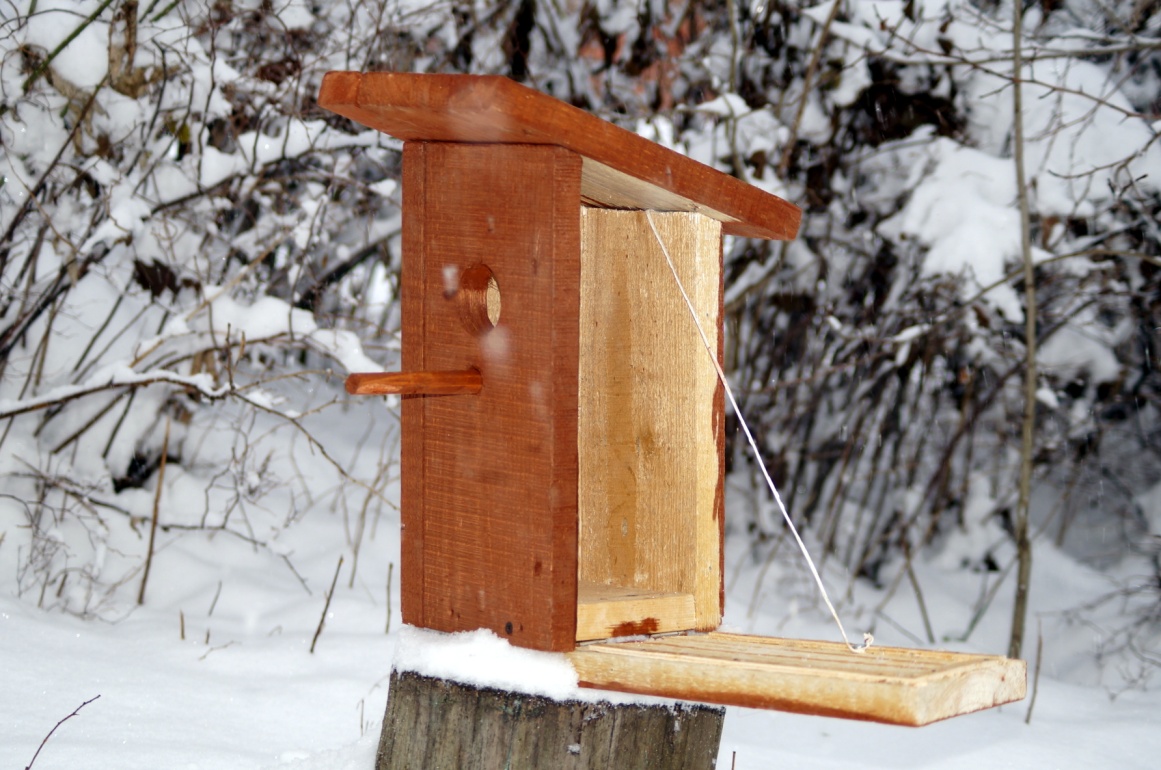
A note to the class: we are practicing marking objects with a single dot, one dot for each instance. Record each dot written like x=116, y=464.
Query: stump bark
x=435, y=724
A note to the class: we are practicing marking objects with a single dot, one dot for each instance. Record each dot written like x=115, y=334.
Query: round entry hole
x=478, y=299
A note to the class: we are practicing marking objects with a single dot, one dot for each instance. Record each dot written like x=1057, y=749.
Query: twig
x=898, y=627
x=390, y=569
x=156, y=514
x=213, y=604
x=1028, y=439
x=206, y=654
x=88, y=423
x=323, y=619
x=984, y=603
x=811, y=69
x=1035, y=672
x=316, y=445
x=918, y=593
x=361, y=524
x=293, y=571
x=76, y=711
x=65, y=395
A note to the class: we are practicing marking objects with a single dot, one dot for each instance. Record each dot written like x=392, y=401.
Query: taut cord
x=868, y=640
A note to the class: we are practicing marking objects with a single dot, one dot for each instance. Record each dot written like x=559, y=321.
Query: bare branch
x=76, y=711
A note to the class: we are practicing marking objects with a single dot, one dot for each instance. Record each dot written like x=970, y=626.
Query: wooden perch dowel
x=467, y=382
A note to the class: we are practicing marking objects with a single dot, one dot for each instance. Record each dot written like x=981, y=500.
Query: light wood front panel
x=649, y=410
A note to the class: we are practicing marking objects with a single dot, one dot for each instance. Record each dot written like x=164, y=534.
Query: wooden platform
x=884, y=684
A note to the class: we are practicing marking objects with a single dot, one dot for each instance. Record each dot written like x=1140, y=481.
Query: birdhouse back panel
x=650, y=429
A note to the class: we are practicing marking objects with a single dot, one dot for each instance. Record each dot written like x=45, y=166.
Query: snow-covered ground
x=243, y=690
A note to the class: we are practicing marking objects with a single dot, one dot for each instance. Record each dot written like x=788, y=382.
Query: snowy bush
x=192, y=254
x=190, y=250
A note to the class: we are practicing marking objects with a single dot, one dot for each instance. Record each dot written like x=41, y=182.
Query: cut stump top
x=621, y=169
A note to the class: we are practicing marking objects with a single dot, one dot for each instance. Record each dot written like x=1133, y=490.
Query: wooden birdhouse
x=562, y=423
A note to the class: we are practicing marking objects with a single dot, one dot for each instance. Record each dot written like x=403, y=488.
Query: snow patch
x=482, y=659
x=963, y=209
x=1069, y=352
x=84, y=62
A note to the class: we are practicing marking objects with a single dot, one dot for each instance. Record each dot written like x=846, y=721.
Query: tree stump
x=436, y=724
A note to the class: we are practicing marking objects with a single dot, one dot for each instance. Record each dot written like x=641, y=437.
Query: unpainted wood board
x=649, y=427
x=883, y=684
x=606, y=612
x=603, y=186
x=630, y=171
x=495, y=509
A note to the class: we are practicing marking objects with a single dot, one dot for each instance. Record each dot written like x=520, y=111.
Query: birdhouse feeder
x=562, y=423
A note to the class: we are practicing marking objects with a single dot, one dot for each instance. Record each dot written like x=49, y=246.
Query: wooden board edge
x=710, y=542
x=745, y=210
x=885, y=700
x=719, y=428
x=566, y=270
x=412, y=408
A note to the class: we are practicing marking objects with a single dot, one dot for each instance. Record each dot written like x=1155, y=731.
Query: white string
x=868, y=640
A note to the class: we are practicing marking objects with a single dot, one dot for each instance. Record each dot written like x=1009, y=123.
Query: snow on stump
x=435, y=723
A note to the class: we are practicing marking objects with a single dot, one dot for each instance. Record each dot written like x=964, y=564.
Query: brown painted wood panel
x=489, y=505
x=621, y=169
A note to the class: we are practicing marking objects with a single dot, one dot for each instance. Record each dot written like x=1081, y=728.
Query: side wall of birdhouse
x=491, y=269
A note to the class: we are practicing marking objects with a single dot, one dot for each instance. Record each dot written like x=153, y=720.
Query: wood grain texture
x=489, y=493
x=435, y=724
x=607, y=612
x=649, y=427
x=413, y=327
x=884, y=684
x=458, y=383
x=621, y=169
